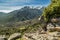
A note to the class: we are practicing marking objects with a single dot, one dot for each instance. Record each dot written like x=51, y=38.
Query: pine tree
x=52, y=11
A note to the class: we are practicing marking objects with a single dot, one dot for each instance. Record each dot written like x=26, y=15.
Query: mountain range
x=25, y=13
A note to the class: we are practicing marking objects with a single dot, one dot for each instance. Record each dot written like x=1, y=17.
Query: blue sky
x=10, y=5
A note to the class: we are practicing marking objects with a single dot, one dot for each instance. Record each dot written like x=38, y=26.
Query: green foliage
x=52, y=11
x=23, y=14
x=8, y=31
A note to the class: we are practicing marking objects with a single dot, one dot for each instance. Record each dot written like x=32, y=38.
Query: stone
x=3, y=37
x=14, y=36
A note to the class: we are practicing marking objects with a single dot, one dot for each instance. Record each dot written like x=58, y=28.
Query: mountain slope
x=25, y=13
x=3, y=17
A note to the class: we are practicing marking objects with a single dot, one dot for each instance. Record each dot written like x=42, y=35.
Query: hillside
x=3, y=17
x=25, y=13
x=33, y=24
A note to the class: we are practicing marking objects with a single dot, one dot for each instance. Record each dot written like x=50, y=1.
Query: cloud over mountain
x=17, y=4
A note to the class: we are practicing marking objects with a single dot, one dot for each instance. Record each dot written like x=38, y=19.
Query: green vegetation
x=15, y=21
x=22, y=29
x=23, y=14
x=52, y=11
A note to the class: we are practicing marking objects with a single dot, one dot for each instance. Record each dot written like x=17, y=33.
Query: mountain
x=3, y=17
x=25, y=13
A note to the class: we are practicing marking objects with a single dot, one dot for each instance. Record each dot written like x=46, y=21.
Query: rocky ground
x=42, y=36
x=37, y=35
x=53, y=33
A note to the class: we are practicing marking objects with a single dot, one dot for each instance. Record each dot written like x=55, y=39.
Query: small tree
x=53, y=10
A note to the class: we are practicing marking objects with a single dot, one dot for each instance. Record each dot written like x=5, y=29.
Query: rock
x=38, y=36
x=35, y=36
x=3, y=37
x=50, y=27
x=55, y=19
x=14, y=36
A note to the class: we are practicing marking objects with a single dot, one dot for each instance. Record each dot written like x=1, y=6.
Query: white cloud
x=10, y=5
x=8, y=9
